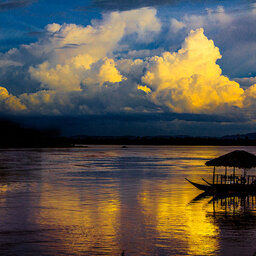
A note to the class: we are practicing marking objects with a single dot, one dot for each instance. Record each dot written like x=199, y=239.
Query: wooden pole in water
x=234, y=174
x=213, y=175
x=225, y=174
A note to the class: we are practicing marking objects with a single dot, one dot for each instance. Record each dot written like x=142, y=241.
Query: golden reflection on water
x=82, y=225
x=3, y=188
x=175, y=219
x=101, y=203
x=88, y=223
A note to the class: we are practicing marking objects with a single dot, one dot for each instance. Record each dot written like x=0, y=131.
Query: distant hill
x=14, y=135
x=248, y=136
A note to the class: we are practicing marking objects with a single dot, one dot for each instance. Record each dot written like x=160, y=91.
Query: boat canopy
x=238, y=158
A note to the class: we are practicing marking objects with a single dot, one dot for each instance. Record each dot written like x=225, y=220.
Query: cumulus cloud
x=246, y=82
x=250, y=96
x=211, y=18
x=190, y=80
x=77, y=54
x=103, y=72
x=232, y=30
x=177, y=25
x=9, y=102
x=79, y=70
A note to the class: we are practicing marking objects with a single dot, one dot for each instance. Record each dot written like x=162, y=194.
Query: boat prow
x=206, y=181
x=205, y=188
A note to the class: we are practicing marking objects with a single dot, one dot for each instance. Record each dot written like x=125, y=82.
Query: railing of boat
x=234, y=179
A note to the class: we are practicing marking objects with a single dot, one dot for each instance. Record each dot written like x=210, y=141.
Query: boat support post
x=213, y=175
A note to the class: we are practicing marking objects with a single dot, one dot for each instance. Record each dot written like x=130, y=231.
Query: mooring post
x=225, y=174
x=213, y=175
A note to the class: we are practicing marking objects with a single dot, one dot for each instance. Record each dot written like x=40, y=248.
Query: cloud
x=177, y=25
x=87, y=59
x=92, y=70
x=250, y=97
x=9, y=102
x=76, y=64
x=211, y=18
x=144, y=88
x=246, y=82
x=122, y=5
x=232, y=30
x=142, y=124
x=7, y=63
x=9, y=5
x=48, y=102
x=190, y=80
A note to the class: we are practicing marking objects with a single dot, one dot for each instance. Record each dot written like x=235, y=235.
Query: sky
x=143, y=68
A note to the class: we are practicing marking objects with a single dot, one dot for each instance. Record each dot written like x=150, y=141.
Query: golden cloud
x=190, y=80
x=81, y=62
x=10, y=102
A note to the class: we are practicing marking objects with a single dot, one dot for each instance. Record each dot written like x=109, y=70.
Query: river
x=109, y=200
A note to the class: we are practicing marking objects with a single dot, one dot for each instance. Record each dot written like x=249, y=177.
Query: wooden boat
x=225, y=188
x=231, y=184
x=205, y=188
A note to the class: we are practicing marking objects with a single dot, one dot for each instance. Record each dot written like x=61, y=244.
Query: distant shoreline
x=63, y=142
x=13, y=135
x=155, y=140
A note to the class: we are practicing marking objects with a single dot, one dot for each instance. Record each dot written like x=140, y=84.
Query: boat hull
x=226, y=188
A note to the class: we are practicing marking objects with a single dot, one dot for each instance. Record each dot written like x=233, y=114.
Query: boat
x=230, y=184
x=205, y=188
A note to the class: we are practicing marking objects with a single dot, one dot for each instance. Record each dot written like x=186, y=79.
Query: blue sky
x=191, y=60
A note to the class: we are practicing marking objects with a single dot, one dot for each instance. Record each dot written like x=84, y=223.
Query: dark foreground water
x=108, y=200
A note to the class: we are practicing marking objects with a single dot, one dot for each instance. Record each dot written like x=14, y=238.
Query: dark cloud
x=127, y=4
x=70, y=46
x=9, y=5
x=35, y=33
x=122, y=5
x=238, y=47
x=137, y=124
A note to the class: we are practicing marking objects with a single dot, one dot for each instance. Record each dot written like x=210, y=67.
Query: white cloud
x=211, y=18
x=72, y=50
x=233, y=32
x=80, y=70
x=177, y=25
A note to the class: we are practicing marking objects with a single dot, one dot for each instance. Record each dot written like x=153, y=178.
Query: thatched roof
x=237, y=158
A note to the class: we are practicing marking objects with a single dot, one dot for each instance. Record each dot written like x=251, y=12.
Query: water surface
x=108, y=200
